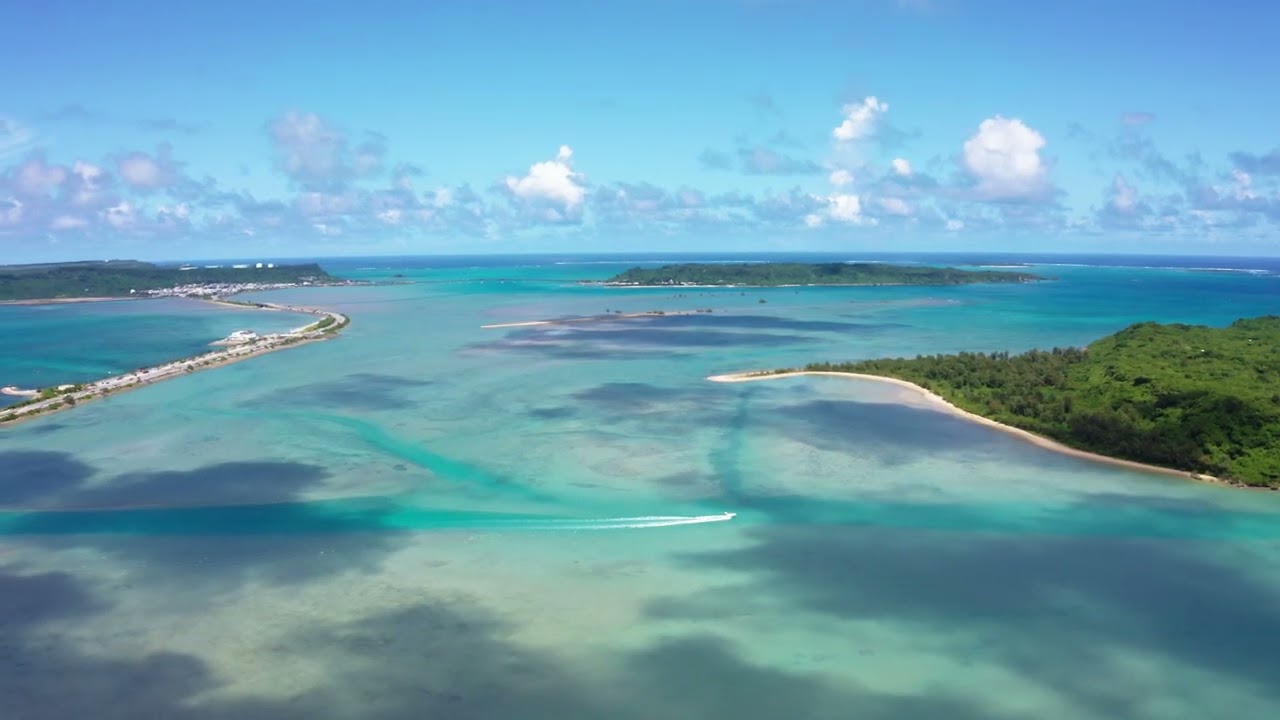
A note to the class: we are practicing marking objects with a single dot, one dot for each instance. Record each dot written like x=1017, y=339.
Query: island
x=1199, y=400
x=113, y=279
x=794, y=274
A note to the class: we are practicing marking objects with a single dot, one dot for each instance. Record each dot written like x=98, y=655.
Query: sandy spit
x=938, y=402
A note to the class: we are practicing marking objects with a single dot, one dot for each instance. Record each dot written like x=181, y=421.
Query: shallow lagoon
x=426, y=518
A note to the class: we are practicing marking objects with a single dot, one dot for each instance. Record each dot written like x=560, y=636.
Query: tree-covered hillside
x=115, y=278
x=1195, y=398
x=773, y=274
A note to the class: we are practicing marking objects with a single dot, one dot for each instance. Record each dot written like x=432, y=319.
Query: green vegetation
x=119, y=278
x=774, y=274
x=1205, y=400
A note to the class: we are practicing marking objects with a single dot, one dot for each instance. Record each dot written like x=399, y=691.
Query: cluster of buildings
x=211, y=290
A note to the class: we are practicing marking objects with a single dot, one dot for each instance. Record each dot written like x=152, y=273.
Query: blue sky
x=175, y=130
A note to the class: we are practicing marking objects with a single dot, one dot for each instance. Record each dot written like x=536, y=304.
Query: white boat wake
x=640, y=522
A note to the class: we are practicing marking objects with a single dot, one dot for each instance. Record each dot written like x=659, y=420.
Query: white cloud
x=845, y=208
x=10, y=211
x=1004, y=158
x=120, y=216
x=1123, y=197
x=839, y=207
x=67, y=222
x=140, y=170
x=89, y=180
x=901, y=167
x=954, y=225
x=859, y=119
x=144, y=172
x=1243, y=189
x=895, y=206
x=840, y=178
x=309, y=150
x=554, y=182
x=36, y=178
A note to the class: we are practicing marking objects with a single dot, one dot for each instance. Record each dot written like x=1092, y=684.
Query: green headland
x=777, y=274
x=1194, y=398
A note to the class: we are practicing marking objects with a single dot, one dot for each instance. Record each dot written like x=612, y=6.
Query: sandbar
x=594, y=318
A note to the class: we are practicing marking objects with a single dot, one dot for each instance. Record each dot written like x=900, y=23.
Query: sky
x=163, y=130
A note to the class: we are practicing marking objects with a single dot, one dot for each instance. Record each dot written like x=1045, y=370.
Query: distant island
x=132, y=278
x=782, y=274
x=1197, y=399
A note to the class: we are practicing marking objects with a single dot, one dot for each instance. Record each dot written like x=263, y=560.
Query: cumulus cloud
x=1123, y=208
x=1124, y=199
x=839, y=207
x=859, y=119
x=901, y=167
x=840, y=178
x=309, y=150
x=87, y=185
x=120, y=216
x=1003, y=158
x=552, y=188
x=147, y=172
x=11, y=212
x=36, y=178
x=895, y=206
x=67, y=222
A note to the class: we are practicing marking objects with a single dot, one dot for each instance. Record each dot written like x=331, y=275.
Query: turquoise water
x=45, y=345
x=424, y=518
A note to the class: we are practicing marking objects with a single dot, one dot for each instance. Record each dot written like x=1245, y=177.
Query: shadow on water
x=31, y=476
x=1065, y=611
x=765, y=322
x=430, y=660
x=357, y=391
x=226, y=523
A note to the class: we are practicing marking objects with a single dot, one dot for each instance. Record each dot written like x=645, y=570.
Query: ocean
x=425, y=517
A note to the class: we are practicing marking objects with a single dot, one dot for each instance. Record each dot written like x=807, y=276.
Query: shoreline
x=104, y=387
x=940, y=403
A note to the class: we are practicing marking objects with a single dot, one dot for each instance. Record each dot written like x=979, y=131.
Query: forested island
x=778, y=274
x=126, y=278
x=1194, y=398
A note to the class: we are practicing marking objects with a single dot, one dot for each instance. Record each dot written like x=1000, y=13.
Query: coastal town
x=222, y=290
x=238, y=346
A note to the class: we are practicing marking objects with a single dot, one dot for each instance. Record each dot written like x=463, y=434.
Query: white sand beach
x=936, y=401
